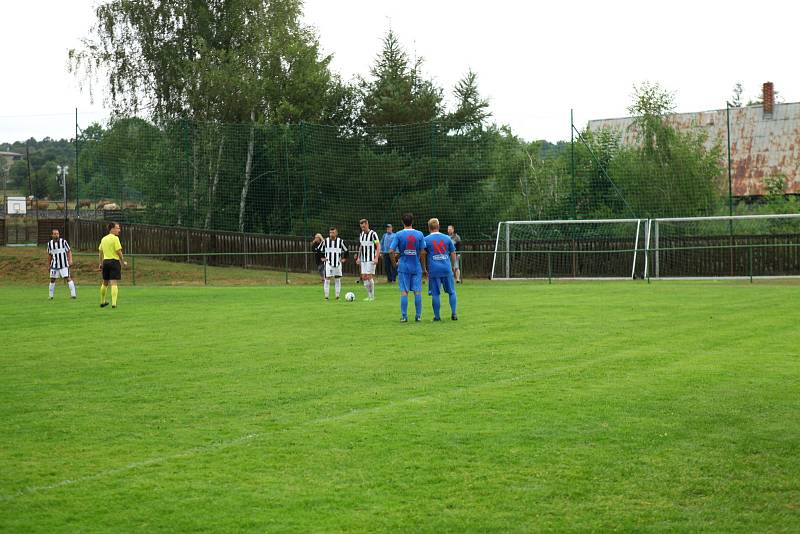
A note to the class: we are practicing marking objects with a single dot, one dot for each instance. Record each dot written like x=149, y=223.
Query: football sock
x=371, y=288
x=114, y=292
x=52, y=288
x=418, y=304
x=327, y=286
x=338, y=287
x=453, y=301
x=437, y=304
x=102, y=293
x=404, y=305
x=71, y=288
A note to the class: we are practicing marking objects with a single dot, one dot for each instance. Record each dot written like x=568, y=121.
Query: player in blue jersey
x=407, y=245
x=439, y=265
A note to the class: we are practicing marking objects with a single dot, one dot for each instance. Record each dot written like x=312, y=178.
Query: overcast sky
x=534, y=60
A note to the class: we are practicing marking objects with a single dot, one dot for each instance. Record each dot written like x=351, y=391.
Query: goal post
x=738, y=246
x=570, y=249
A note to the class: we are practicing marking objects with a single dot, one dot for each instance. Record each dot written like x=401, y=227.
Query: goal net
x=578, y=249
x=725, y=246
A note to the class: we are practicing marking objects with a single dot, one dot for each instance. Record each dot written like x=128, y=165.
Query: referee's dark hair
x=408, y=219
x=332, y=228
x=111, y=225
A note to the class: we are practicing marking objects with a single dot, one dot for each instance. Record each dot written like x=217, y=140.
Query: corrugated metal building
x=765, y=140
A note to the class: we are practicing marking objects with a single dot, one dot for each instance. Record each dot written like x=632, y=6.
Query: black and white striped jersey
x=334, y=250
x=366, y=249
x=58, y=248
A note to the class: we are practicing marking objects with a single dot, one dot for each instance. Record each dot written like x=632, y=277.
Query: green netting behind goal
x=570, y=249
x=711, y=247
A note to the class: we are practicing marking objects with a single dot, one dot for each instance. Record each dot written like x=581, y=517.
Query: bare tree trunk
x=214, y=182
x=248, y=170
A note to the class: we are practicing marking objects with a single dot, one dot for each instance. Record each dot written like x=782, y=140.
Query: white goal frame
x=654, y=235
x=641, y=225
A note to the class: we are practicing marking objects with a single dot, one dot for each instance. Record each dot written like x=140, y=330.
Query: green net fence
x=297, y=179
x=224, y=187
x=300, y=179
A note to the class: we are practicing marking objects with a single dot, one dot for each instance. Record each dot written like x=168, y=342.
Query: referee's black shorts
x=112, y=270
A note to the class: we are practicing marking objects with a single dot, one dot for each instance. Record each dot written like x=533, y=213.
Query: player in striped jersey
x=336, y=253
x=59, y=257
x=369, y=251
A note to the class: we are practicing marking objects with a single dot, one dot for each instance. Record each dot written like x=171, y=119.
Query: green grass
x=584, y=406
x=28, y=266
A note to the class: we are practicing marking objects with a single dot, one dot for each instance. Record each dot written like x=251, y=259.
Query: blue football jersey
x=439, y=247
x=409, y=244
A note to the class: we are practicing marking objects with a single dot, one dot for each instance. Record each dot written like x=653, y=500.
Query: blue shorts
x=410, y=282
x=448, y=282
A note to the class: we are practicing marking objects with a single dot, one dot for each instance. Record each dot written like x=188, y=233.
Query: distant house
x=11, y=157
x=765, y=140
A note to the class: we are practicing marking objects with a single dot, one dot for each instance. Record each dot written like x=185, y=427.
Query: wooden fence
x=769, y=255
x=761, y=255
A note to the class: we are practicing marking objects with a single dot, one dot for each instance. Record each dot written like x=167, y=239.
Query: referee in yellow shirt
x=111, y=262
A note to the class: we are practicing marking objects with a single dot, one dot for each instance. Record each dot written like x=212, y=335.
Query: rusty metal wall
x=762, y=146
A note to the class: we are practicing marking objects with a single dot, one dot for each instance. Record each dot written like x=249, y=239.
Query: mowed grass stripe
x=458, y=391
x=604, y=365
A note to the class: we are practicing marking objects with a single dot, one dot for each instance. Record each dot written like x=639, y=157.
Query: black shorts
x=112, y=270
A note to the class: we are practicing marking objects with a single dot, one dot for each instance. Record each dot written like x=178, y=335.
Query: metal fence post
x=572, y=162
x=304, y=167
x=750, y=254
x=133, y=269
x=508, y=250
x=433, y=164
x=77, y=176
x=549, y=267
x=205, y=270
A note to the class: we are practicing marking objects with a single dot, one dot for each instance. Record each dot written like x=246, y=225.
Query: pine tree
x=397, y=92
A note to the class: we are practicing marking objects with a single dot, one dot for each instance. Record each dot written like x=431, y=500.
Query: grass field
x=584, y=406
x=29, y=265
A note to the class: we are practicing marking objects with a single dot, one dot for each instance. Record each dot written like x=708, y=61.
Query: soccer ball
x=350, y=296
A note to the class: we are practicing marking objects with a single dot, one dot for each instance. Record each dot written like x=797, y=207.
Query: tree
x=17, y=173
x=207, y=60
x=651, y=104
x=736, y=99
x=44, y=182
x=4, y=178
x=397, y=92
x=472, y=110
x=669, y=173
x=211, y=60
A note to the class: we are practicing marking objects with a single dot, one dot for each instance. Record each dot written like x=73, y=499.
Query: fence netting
x=300, y=179
x=215, y=181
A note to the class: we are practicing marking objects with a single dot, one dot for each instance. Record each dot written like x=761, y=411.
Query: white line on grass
x=248, y=438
